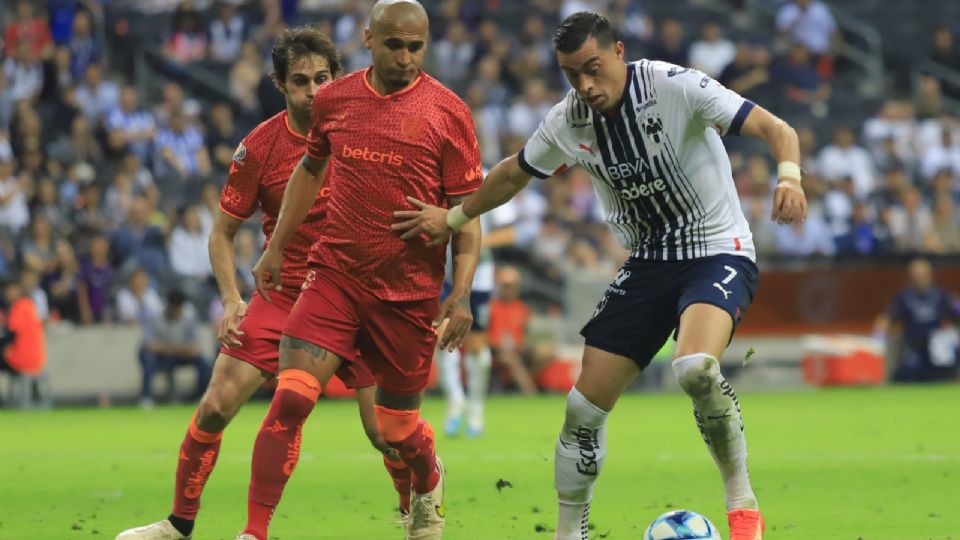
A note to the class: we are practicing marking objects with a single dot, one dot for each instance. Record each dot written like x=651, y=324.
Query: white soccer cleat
x=246, y=537
x=161, y=530
x=427, y=513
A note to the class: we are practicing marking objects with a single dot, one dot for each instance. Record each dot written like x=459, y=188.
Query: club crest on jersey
x=653, y=128
x=240, y=154
x=413, y=127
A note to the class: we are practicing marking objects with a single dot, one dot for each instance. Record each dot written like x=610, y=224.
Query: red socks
x=413, y=437
x=277, y=449
x=198, y=455
x=400, y=474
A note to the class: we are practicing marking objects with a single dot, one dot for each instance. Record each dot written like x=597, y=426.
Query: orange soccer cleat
x=745, y=524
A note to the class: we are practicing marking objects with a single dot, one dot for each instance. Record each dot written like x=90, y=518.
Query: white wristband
x=788, y=169
x=456, y=219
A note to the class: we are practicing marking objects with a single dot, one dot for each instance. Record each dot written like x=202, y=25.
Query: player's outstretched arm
x=789, y=201
x=224, y=264
x=298, y=198
x=505, y=180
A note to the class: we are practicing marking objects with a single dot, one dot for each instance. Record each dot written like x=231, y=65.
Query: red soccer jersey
x=418, y=142
x=259, y=173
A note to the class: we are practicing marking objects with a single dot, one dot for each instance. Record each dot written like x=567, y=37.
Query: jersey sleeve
x=461, y=169
x=709, y=102
x=318, y=146
x=541, y=156
x=239, y=196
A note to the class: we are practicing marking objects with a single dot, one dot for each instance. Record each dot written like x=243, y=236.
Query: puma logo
x=588, y=149
x=726, y=293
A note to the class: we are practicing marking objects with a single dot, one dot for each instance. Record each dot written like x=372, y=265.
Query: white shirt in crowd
x=835, y=163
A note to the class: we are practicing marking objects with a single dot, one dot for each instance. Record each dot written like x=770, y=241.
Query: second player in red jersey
x=382, y=134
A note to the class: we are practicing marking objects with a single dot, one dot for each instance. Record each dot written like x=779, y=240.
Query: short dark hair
x=576, y=29
x=176, y=299
x=299, y=42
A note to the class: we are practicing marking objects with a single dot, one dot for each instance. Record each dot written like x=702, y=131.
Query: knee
x=215, y=412
x=697, y=374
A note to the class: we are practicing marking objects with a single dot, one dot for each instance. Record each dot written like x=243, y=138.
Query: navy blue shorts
x=479, y=306
x=642, y=306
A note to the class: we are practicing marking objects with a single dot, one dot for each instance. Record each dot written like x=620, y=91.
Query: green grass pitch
x=870, y=464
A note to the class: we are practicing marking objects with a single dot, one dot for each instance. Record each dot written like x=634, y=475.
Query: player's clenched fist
x=266, y=273
x=789, y=202
x=427, y=219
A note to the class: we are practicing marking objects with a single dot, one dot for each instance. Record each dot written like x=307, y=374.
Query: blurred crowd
x=109, y=182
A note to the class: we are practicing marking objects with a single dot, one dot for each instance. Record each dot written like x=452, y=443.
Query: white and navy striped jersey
x=657, y=162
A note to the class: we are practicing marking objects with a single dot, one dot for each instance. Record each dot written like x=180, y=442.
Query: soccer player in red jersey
x=303, y=60
x=380, y=134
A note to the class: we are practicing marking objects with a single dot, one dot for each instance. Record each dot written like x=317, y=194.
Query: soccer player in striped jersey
x=649, y=134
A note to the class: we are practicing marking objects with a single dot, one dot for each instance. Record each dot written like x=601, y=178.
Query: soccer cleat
x=745, y=524
x=427, y=513
x=161, y=530
x=401, y=517
x=453, y=424
x=244, y=536
x=474, y=432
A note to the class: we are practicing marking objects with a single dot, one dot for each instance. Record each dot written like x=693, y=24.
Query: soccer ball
x=681, y=525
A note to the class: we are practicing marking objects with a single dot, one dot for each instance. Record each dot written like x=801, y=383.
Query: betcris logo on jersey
x=366, y=154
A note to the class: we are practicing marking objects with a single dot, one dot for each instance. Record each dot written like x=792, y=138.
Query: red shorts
x=395, y=339
x=262, y=326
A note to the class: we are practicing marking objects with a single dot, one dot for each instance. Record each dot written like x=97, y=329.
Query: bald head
x=398, y=12
x=397, y=39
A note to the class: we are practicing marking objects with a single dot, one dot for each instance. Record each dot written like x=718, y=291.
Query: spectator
x=62, y=284
x=911, y=223
x=84, y=49
x=138, y=302
x=227, y=33
x=247, y=256
x=245, y=77
x=173, y=101
x=862, y=237
x=209, y=207
x=96, y=96
x=130, y=126
x=509, y=317
x=919, y=316
x=187, y=41
x=58, y=76
x=78, y=176
x=487, y=122
x=529, y=110
x=142, y=177
x=944, y=156
x=6, y=107
x=223, y=136
x=46, y=205
x=453, y=55
x=172, y=340
x=89, y=213
x=38, y=249
x=895, y=121
x=188, y=255
x=712, y=52
x=809, y=23
x=669, y=45
x=798, y=78
x=24, y=74
x=78, y=146
x=95, y=279
x=29, y=29
x=24, y=350
x=489, y=79
x=137, y=243
x=748, y=74
x=808, y=238
x=946, y=226
x=14, y=213
x=844, y=158
x=180, y=151
x=945, y=51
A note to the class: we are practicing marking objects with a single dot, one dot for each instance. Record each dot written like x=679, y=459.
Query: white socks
x=717, y=413
x=478, y=377
x=452, y=385
x=579, y=455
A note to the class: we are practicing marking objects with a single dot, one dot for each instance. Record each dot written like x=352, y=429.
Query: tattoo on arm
x=318, y=354
x=311, y=164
